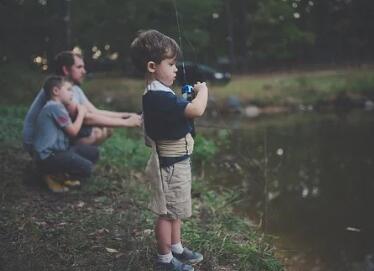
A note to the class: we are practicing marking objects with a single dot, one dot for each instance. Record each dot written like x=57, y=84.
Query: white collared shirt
x=157, y=85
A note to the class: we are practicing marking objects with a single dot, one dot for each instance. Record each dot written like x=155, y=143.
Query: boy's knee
x=101, y=134
x=96, y=132
x=98, y=135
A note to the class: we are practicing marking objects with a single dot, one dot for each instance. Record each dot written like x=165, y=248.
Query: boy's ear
x=151, y=66
x=55, y=91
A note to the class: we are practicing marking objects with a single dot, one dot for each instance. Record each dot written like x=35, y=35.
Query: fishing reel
x=188, y=93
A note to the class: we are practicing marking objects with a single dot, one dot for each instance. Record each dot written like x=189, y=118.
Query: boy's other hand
x=200, y=86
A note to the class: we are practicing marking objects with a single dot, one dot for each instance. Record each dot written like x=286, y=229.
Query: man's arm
x=93, y=109
x=197, y=106
x=94, y=119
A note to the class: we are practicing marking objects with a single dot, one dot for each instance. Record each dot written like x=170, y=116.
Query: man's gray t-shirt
x=49, y=135
x=34, y=110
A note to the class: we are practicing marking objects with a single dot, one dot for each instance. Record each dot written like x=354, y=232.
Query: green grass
x=297, y=87
x=106, y=225
x=275, y=89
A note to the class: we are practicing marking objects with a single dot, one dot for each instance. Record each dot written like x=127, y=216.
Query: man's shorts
x=176, y=184
x=85, y=131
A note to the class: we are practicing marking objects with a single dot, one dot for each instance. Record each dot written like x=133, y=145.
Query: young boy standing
x=51, y=141
x=167, y=121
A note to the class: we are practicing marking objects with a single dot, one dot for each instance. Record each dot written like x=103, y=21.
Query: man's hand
x=134, y=120
x=126, y=115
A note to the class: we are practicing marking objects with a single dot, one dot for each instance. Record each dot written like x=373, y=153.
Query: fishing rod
x=188, y=93
x=187, y=90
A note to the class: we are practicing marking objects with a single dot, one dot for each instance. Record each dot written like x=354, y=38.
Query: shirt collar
x=157, y=85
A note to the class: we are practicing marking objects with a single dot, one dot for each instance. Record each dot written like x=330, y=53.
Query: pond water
x=307, y=179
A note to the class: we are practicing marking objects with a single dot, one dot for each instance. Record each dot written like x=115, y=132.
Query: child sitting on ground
x=60, y=163
x=167, y=121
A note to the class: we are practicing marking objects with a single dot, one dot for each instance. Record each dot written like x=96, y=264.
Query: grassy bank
x=307, y=87
x=105, y=225
x=288, y=88
x=270, y=89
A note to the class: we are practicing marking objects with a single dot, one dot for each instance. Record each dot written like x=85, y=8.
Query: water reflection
x=307, y=178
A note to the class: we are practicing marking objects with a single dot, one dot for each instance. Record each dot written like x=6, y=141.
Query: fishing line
x=180, y=40
x=265, y=215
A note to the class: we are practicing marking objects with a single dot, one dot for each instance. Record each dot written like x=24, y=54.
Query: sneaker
x=72, y=183
x=54, y=185
x=174, y=265
x=189, y=256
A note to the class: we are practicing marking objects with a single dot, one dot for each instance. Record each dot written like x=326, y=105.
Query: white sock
x=177, y=248
x=166, y=258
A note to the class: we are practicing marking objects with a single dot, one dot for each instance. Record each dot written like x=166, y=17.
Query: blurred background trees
x=238, y=34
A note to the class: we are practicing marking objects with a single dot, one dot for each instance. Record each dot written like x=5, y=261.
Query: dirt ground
x=98, y=227
x=79, y=230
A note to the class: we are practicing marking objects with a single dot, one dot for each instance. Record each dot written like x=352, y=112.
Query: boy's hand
x=197, y=106
x=72, y=109
x=199, y=87
x=82, y=109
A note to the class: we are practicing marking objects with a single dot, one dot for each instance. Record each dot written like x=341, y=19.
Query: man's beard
x=75, y=82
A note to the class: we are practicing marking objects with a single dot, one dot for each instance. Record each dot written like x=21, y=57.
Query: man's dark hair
x=64, y=58
x=151, y=45
x=51, y=82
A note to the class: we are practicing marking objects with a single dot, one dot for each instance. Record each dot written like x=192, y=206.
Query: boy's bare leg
x=163, y=230
x=98, y=136
x=175, y=231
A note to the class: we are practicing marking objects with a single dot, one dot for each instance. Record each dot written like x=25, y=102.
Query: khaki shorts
x=176, y=190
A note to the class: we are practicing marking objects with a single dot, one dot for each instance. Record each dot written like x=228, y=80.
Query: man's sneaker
x=174, y=265
x=189, y=256
x=54, y=184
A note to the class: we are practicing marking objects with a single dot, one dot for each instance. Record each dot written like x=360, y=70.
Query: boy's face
x=166, y=71
x=65, y=93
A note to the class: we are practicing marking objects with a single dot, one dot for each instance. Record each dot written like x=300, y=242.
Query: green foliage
x=204, y=149
x=362, y=83
x=262, y=31
x=274, y=32
x=19, y=83
x=11, y=122
x=123, y=150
